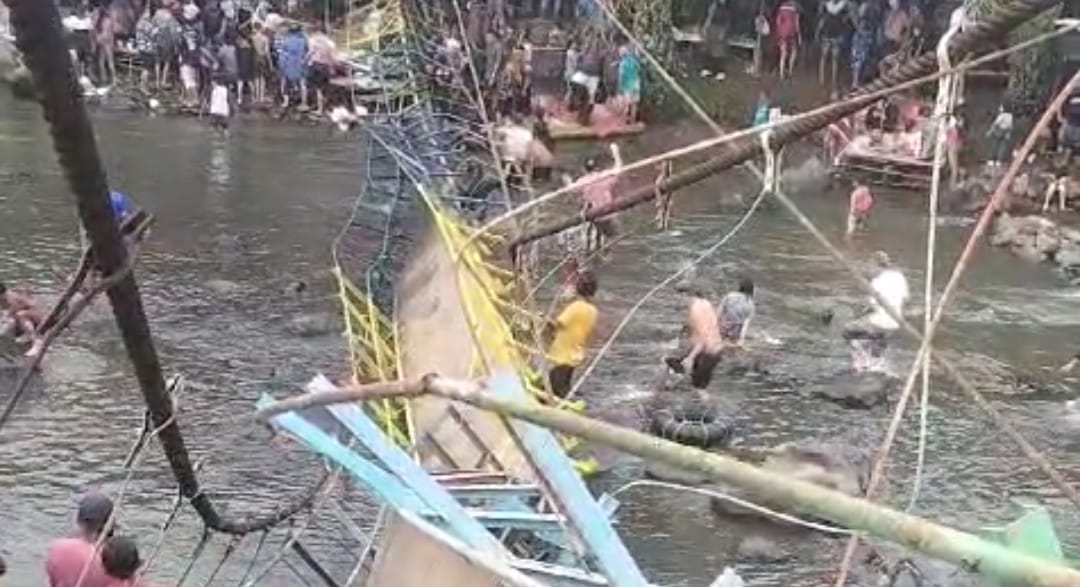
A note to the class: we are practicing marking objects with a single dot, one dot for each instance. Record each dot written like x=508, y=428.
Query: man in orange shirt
x=573, y=330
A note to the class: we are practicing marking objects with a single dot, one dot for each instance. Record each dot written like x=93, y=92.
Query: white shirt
x=219, y=100
x=1003, y=122
x=891, y=285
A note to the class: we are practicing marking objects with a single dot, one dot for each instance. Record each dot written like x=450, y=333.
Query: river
x=260, y=208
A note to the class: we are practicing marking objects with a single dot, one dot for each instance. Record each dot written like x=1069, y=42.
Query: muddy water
x=259, y=210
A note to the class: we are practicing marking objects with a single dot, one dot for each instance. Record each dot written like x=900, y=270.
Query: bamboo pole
x=960, y=548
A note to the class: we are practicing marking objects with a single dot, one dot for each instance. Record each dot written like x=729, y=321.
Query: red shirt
x=66, y=559
x=787, y=21
x=862, y=200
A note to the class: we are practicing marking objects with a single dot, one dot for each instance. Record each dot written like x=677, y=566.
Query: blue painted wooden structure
x=577, y=544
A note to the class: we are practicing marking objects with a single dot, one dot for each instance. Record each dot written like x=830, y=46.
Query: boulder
x=739, y=361
x=1031, y=237
x=761, y=549
x=884, y=564
x=1005, y=230
x=854, y=390
x=838, y=465
x=314, y=324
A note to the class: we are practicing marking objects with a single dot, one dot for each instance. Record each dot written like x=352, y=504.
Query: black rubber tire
x=692, y=427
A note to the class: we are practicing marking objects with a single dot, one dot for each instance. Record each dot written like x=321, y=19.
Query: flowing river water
x=241, y=220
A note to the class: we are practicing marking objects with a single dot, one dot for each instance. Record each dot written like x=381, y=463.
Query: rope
x=946, y=102
x=195, y=555
x=798, y=126
x=254, y=557
x=229, y=549
x=169, y=520
x=1037, y=458
x=664, y=283
x=831, y=530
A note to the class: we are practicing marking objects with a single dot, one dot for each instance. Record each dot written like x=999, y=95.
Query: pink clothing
x=862, y=200
x=787, y=22
x=597, y=192
x=66, y=559
x=952, y=136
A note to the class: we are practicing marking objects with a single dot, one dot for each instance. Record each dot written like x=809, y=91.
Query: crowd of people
x=214, y=57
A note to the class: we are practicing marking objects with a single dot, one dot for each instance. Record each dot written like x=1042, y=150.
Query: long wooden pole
x=912, y=532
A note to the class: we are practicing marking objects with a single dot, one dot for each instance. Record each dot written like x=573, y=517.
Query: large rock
x=761, y=549
x=854, y=390
x=884, y=564
x=838, y=465
x=1031, y=237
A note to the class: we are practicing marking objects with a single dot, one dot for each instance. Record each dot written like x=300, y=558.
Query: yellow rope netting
x=366, y=25
x=373, y=350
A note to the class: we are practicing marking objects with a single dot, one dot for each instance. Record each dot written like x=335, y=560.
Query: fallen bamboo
x=959, y=548
x=934, y=318
x=1000, y=21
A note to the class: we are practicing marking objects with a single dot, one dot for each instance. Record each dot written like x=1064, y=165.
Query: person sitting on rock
x=869, y=335
x=703, y=333
x=736, y=310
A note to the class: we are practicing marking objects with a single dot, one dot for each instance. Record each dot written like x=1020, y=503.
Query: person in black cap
x=68, y=557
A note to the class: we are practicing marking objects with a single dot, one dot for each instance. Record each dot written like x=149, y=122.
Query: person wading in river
x=597, y=192
x=702, y=329
x=68, y=557
x=869, y=335
x=572, y=331
x=859, y=205
x=736, y=311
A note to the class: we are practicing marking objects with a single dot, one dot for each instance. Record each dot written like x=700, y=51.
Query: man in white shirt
x=869, y=335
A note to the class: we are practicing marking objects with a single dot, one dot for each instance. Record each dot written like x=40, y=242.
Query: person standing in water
x=860, y=203
x=663, y=198
x=572, y=331
x=597, y=192
x=869, y=335
x=702, y=329
x=736, y=310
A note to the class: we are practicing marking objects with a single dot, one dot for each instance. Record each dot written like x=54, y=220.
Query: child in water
x=859, y=205
x=220, y=109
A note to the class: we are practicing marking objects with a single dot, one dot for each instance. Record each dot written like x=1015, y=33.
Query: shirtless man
x=25, y=316
x=703, y=332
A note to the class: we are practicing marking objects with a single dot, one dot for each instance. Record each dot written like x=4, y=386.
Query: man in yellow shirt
x=573, y=330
